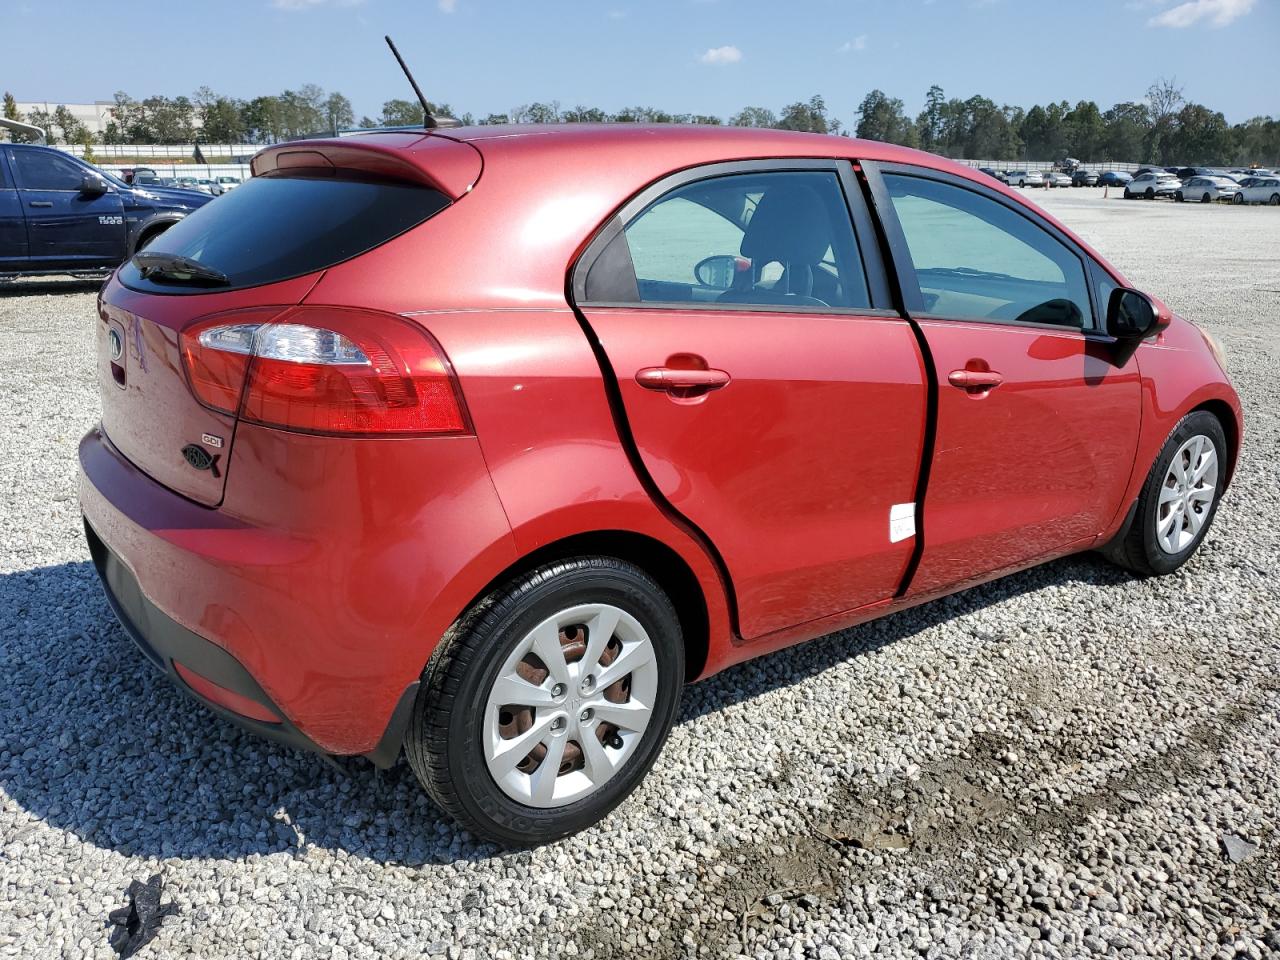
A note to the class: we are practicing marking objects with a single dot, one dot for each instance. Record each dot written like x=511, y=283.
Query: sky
x=683, y=56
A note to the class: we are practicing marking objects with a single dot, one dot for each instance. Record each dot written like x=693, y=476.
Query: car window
x=779, y=238
x=38, y=170
x=277, y=227
x=976, y=258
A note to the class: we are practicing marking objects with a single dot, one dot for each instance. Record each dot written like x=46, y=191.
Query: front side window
x=39, y=170
x=781, y=238
x=975, y=258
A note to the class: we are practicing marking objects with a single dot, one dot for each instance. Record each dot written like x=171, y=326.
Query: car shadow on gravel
x=95, y=741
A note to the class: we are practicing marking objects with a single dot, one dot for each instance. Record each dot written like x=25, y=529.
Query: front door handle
x=42, y=203
x=974, y=379
x=673, y=379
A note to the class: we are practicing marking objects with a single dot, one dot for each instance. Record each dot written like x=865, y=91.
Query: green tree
x=1126, y=126
x=1085, y=132
x=401, y=113
x=581, y=114
x=70, y=129
x=11, y=112
x=883, y=118
x=811, y=117
x=338, y=113
x=537, y=113
x=930, y=124
x=754, y=117
x=1201, y=136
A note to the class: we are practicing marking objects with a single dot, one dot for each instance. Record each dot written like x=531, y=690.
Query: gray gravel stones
x=1045, y=766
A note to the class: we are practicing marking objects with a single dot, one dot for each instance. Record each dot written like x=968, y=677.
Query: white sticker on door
x=902, y=522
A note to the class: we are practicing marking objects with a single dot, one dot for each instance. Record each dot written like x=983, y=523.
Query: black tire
x=1151, y=194
x=1275, y=200
x=1179, y=197
x=1127, y=194
x=146, y=238
x=1238, y=199
x=1206, y=198
x=1136, y=547
x=444, y=741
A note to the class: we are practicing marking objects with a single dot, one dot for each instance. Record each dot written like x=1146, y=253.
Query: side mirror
x=1132, y=315
x=718, y=272
x=93, y=185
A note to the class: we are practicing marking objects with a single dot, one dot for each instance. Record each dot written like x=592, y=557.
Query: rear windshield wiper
x=171, y=266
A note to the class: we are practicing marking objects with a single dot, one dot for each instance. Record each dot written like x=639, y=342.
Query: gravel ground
x=1068, y=762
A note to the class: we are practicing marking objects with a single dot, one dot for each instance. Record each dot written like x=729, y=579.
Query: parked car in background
x=210, y=186
x=1260, y=190
x=61, y=215
x=1084, y=178
x=1207, y=189
x=1151, y=185
x=228, y=183
x=994, y=174
x=1025, y=178
x=1056, y=178
x=329, y=499
x=190, y=183
x=1114, y=178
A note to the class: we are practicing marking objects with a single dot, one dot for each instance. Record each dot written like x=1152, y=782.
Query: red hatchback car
x=483, y=442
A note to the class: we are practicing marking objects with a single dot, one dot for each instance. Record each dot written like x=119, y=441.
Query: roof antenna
x=428, y=120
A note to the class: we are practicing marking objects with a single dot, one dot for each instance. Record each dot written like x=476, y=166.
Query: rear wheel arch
x=665, y=565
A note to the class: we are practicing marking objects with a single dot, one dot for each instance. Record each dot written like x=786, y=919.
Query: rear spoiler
x=450, y=166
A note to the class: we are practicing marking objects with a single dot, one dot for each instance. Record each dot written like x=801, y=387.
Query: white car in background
x=1261, y=190
x=1151, y=185
x=228, y=183
x=1208, y=189
x=1025, y=178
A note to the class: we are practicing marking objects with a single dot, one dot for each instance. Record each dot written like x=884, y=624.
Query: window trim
x=904, y=265
x=860, y=224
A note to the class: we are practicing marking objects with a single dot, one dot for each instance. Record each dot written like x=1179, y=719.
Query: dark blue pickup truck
x=58, y=214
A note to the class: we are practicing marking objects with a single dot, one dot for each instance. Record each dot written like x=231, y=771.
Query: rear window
x=274, y=228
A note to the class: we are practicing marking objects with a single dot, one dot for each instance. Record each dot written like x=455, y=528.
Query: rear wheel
x=1275, y=200
x=1178, y=500
x=1179, y=197
x=1127, y=194
x=1150, y=194
x=1238, y=198
x=1206, y=198
x=549, y=701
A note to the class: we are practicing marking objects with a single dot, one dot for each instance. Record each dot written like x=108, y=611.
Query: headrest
x=789, y=225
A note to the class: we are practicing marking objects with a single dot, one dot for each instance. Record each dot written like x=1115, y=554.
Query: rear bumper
x=307, y=606
x=170, y=647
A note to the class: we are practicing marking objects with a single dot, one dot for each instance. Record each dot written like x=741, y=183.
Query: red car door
x=775, y=403
x=1037, y=425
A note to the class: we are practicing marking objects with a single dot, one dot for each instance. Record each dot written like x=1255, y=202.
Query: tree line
x=1164, y=129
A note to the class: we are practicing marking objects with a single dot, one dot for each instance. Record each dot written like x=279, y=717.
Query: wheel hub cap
x=570, y=705
x=1187, y=494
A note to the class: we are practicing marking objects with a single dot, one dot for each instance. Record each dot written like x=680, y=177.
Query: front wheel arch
x=149, y=232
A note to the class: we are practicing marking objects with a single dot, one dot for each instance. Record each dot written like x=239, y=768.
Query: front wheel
x=546, y=705
x=1151, y=194
x=1206, y=198
x=1238, y=199
x=1179, y=197
x=1179, y=499
x=1275, y=200
x=1127, y=194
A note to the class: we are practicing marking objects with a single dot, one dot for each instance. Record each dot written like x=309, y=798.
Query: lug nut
x=558, y=725
x=586, y=715
x=588, y=684
x=558, y=691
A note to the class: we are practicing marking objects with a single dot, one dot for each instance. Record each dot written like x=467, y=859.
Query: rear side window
x=780, y=238
x=274, y=228
x=977, y=259
x=38, y=170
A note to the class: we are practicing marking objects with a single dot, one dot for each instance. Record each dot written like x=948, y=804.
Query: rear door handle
x=670, y=378
x=974, y=379
x=42, y=203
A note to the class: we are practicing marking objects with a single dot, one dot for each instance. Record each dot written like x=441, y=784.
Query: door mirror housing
x=1133, y=315
x=93, y=185
x=718, y=272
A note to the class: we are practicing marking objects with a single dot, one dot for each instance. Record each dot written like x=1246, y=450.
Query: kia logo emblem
x=117, y=345
x=200, y=458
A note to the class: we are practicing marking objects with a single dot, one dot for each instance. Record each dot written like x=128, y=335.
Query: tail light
x=324, y=370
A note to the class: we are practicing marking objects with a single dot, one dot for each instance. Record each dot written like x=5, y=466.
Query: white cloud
x=720, y=56
x=447, y=6
x=857, y=44
x=1217, y=12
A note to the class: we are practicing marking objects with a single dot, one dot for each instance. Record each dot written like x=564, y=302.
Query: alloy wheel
x=570, y=705
x=1187, y=494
